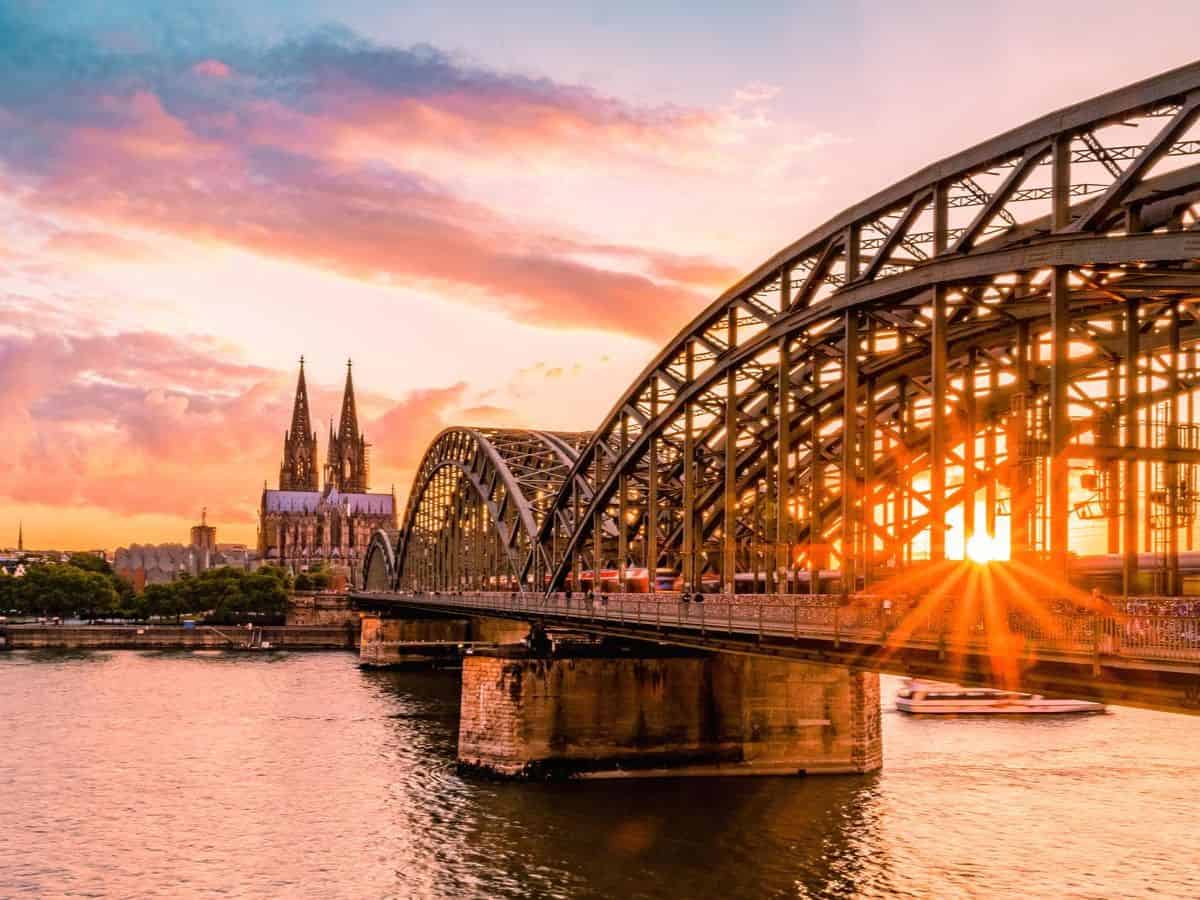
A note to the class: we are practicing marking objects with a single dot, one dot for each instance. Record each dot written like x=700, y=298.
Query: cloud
x=400, y=435
x=756, y=92
x=96, y=246
x=487, y=415
x=132, y=423
x=264, y=160
x=143, y=423
x=211, y=68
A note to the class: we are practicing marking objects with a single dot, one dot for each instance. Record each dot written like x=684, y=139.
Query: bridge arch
x=379, y=562
x=476, y=504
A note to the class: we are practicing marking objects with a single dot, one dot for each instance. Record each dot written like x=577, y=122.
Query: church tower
x=346, y=466
x=298, y=472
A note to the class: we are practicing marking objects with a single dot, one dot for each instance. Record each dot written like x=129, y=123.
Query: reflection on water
x=168, y=774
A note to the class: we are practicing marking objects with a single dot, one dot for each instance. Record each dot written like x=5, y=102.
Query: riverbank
x=173, y=637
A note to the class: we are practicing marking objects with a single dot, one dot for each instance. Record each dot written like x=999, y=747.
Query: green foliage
x=278, y=573
x=314, y=580
x=224, y=595
x=90, y=562
x=10, y=589
x=61, y=590
x=233, y=596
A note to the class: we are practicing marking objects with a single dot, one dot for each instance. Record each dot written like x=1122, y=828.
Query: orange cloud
x=96, y=245
x=146, y=424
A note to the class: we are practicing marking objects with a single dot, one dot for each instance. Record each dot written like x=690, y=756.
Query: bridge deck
x=1138, y=659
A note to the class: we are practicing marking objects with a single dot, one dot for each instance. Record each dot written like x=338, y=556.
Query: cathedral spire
x=346, y=468
x=301, y=424
x=349, y=421
x=298, y=472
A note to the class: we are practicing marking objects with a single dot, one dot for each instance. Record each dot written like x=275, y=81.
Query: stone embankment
x=170, y=637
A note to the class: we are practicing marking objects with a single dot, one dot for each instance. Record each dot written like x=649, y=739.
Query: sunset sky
x=500, y=212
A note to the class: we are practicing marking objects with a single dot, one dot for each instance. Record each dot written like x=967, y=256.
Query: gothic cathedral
x=302, y=526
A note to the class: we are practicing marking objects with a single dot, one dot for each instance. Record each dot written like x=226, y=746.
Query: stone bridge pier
x=609, y=711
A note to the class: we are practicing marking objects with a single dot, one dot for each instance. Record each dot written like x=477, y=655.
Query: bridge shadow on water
x=663, y=837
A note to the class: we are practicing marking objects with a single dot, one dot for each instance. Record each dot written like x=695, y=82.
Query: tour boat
x=936, y=698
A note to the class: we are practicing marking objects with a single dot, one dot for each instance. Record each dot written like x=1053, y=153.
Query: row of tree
x=86, y=587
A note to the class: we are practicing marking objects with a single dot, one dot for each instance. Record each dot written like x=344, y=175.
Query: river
x=132, y=774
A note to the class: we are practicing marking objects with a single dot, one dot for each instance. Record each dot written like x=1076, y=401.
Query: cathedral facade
x=302, y=525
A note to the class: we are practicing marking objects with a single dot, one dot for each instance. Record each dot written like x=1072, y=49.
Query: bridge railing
x=1167, y=631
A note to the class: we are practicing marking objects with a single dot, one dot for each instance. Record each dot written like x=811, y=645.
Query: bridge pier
x=602, y=712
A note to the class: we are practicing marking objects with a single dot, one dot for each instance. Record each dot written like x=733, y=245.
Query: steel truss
x=478, y=502
x=1010, y=333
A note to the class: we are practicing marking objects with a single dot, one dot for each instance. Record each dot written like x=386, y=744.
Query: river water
x=298, y=775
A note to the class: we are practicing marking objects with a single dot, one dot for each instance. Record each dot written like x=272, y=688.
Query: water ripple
x=291, y=775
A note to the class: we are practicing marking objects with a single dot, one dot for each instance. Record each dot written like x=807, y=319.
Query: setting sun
x=984, y=548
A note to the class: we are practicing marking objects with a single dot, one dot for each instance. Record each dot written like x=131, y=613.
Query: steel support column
x=1060, y=420
x=690, y=569
x=1021, y=499
x=783, y=478
x=652, y=493
x=971, y=427
x=816, y=537
x=850, y=454
x=729, y=526
x=937, y=427
x=1174, y=587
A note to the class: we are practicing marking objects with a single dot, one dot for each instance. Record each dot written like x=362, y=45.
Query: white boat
x=938, y=698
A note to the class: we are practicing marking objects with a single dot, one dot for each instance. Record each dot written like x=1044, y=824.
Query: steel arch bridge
x=1002, y=343
x=477, y=505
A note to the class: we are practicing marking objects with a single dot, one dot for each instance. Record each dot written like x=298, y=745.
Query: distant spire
x=298, y=470
x=348, y=426
x=301, y=423
x=204, y=510
x=347, y=467
x=21, y=534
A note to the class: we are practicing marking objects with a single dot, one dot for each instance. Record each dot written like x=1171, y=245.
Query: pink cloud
x=212, y=68
x=96, y=245
x=145, y=423
x=362, y=122
x=153, y=172
x=400, y=434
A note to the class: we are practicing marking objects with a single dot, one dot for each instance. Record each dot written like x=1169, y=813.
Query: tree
x=159, y=600
x=90, y=562
x=99, y=596
x=64, y=590
x=265, y=595
x=124, y=589
x=10, y=594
